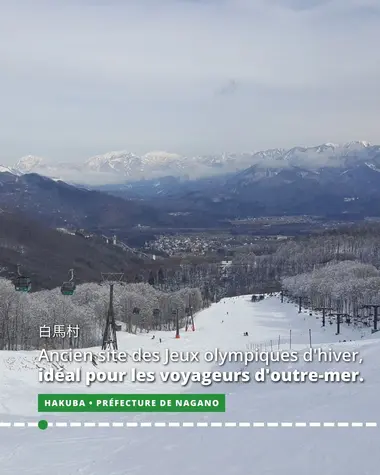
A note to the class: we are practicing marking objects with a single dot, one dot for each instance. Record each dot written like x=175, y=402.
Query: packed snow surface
x=204, y=450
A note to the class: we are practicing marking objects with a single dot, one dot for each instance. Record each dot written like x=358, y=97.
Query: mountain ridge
x=56, y=203
x=123, y=166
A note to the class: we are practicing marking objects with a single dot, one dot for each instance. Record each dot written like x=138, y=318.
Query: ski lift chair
x=68, y=288
x=21, y=282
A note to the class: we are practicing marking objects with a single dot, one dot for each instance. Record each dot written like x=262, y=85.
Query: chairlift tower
x=136, y=311
x=176, y=316
x=339, y=321
x=324, y=309
x=109, y=335
x=189, y=317
x=375, y=314
x=156, y=319
x=299, y=304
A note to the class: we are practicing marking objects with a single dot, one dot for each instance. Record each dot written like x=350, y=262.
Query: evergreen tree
x=161, y=277
x=151, y=280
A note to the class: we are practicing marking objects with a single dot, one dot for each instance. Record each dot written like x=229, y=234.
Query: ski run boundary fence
x=276, y=344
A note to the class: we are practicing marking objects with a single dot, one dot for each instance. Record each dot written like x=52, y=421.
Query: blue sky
x=78, y=78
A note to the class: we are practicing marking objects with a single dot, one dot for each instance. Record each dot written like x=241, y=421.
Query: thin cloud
x=79, y=78
x=301, y=5
x=228, y=88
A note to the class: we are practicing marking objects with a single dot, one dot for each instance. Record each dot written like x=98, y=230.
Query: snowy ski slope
x=202, y=450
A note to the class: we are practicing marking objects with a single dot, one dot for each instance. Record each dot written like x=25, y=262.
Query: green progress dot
x=43, y=425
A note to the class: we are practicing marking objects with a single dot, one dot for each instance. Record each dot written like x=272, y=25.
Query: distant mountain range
x=122, y=167
x=328, y=181
x=58, y=204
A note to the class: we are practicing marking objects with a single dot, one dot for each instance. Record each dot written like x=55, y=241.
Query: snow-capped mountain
x=326, y=155
x=30, y=163
x=64, y=172
x=113, y=162
x=123, y=166
x=131, y=166
x=160, y=158
x=10, y=170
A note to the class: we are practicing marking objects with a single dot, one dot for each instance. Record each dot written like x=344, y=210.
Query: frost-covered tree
x=344, y=286
x=22, y=315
